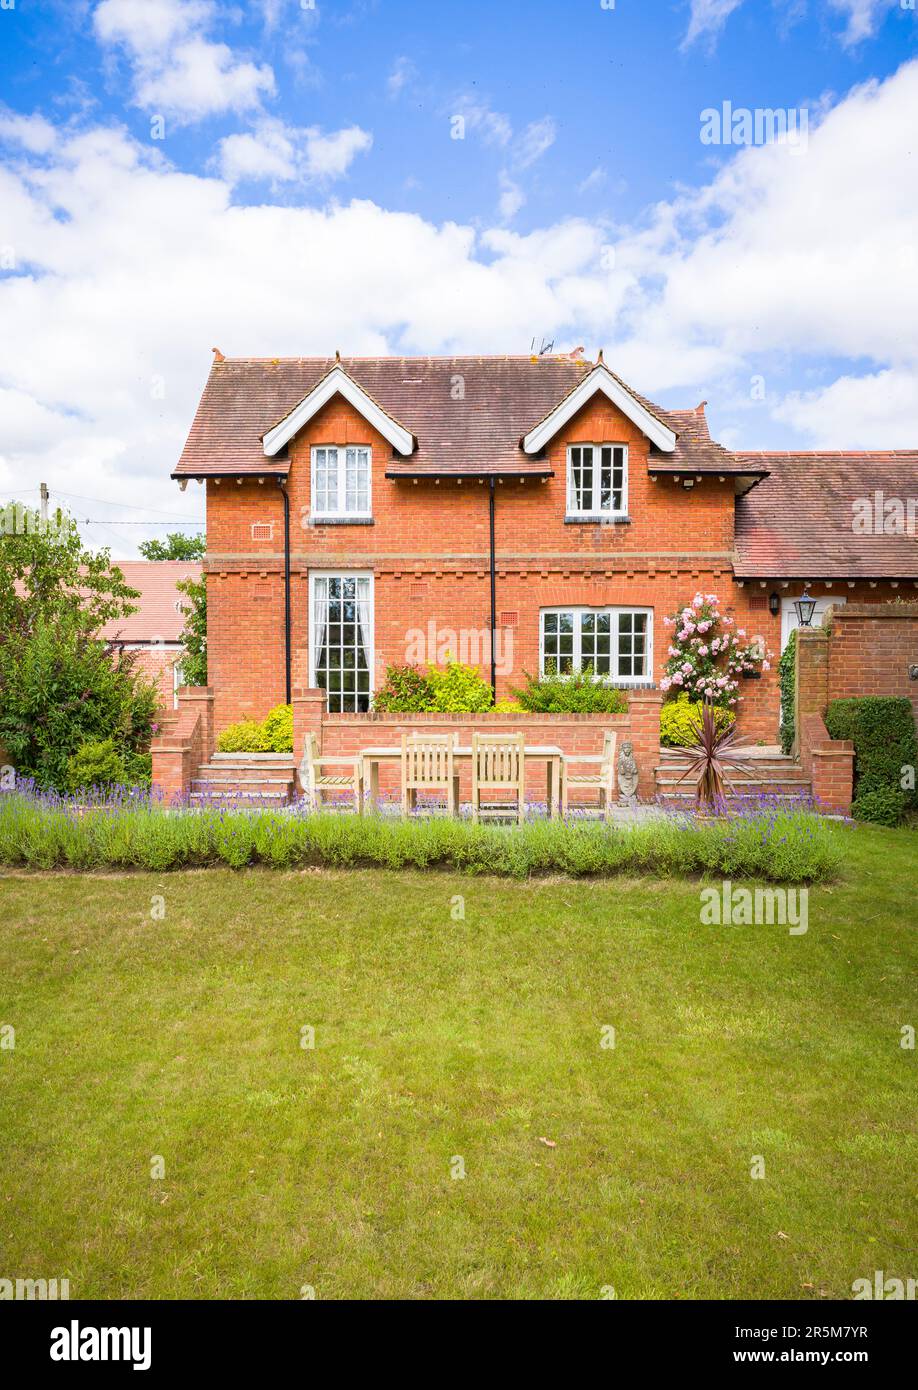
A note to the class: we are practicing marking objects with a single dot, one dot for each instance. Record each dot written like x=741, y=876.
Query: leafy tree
x=176, y=546
x=62, y=685
x=194, y=636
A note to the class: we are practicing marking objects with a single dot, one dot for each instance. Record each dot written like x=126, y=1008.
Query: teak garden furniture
x=602, y=780
x=548, y=753
x=315, y=783
x=498, y=765
x=428, y=764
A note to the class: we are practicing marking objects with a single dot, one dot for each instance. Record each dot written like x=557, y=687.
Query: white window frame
x=315, y=575
x=340, y=511
x=572, y=509
x=577, y=611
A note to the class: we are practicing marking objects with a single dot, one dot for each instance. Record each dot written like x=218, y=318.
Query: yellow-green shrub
x=677, y=717
x=245, y=737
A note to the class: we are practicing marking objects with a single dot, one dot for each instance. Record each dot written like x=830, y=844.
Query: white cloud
x=511, y=198
x=178, y=70
x=707, y=19
x=141, y=268
x=265, y=153
x=278, y=153
x=877, y=410
x=403, y=72
x=33, y=133
x=330, y=156
x=594, y=179
x=538, y=137
x=863, y=17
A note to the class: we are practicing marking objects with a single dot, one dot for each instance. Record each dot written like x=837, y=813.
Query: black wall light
x=805, y=607
x=774, y=604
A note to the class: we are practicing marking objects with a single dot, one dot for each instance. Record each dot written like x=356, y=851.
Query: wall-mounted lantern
x=805, y=607
x=774, y=604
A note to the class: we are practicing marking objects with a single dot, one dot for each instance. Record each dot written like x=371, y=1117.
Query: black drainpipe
x=493, y=595
x=282, y=482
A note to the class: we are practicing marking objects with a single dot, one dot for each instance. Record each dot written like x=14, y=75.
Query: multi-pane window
x=597, y=479
x=341, y=640
x=614, y=642
x=340, y=481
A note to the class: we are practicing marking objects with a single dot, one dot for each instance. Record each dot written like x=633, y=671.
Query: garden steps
x=775, y=775
x=245, y=779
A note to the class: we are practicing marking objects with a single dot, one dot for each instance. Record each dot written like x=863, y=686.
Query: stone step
x=239, y=798
x=258, y=786
x=789, y=796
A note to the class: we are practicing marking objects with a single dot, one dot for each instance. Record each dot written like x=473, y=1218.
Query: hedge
x=787, y=669
x=882, y=729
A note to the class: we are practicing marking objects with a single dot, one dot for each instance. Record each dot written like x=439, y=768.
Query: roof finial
x=578, y=352
x=699, y=409
x=218, y=355
x=337, y=354
x=599, y=360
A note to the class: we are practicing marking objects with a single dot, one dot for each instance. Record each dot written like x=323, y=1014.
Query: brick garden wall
x=871, y=649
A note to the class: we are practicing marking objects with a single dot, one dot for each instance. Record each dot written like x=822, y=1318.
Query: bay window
x=615, y=642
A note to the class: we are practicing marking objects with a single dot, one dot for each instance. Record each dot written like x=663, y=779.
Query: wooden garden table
x=540, y=752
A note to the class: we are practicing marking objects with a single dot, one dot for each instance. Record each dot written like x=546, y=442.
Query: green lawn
x=438, y=1038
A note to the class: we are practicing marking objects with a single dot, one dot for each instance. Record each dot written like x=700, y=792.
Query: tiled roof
x=157, y=617
x=797, y=523
x=467, y=413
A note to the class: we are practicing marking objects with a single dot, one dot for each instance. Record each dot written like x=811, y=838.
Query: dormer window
x=341, y=482
x=597, y=480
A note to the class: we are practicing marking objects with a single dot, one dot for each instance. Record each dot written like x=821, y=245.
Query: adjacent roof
x=799, y=522
x=157, y=618
x=467, y=414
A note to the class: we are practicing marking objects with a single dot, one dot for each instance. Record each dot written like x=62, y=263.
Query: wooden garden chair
x=428, y=764
x=316, y=783
x=498, y=765
x=603, y=779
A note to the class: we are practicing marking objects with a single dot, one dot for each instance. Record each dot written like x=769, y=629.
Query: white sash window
x=341, y=481
x=341, y=640
x=597, y=480
x=617, y=643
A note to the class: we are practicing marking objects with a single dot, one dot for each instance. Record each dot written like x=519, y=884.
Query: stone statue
x=627, y=775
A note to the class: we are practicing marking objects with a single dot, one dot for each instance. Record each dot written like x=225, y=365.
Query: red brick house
x=363, y=511
x=154, y=631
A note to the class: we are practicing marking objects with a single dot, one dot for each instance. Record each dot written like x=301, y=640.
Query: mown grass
x=455, y=1018
x=770, y=841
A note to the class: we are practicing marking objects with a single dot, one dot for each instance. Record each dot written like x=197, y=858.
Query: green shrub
x=406, y=691
x=882, y=729
x=677, y=717
x=883, y=806
x=458, y=689
x=278, y=729
x=787, y=677
x=248, y=736
x=96, y=764
x=579, y=693
x=507, y=707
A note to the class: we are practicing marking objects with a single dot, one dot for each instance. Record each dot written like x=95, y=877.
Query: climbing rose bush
x=708, y=654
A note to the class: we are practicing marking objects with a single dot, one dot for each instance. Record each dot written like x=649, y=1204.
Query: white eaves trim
x=600, y=379
x=337, y=382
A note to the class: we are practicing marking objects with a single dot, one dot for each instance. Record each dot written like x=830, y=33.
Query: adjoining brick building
x=153, y=633
x=364, y=511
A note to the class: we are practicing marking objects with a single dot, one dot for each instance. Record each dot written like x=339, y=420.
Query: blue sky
x=275, y=177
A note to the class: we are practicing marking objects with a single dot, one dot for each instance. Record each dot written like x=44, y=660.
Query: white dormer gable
x=600, y=379
x=337, y=383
